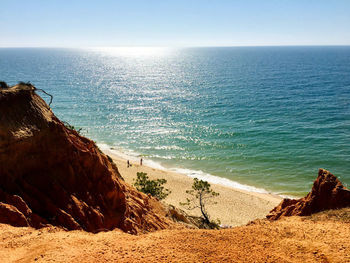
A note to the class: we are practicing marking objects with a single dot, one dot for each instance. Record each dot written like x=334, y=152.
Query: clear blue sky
x=174, y=23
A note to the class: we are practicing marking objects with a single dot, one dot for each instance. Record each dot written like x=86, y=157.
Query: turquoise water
x=267, y=117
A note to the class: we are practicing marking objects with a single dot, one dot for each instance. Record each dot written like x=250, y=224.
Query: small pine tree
x=152, y=187
x=201, y=195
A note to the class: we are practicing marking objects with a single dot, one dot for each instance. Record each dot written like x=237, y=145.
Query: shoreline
x=234, y=206
x=213, y=179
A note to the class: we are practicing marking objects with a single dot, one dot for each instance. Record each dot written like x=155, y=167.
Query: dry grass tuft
x=341, y=215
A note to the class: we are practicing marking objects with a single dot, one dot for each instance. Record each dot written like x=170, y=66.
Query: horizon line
x=181, y=46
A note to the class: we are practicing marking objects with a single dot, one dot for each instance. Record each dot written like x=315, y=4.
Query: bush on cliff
x=71, y=127
x=152, y=187
x=3, y=85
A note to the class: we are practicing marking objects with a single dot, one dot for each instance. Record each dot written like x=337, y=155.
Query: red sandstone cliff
x=51, y=175
x=327, y=193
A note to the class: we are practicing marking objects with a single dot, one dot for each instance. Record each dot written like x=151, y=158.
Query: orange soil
x=292, y=239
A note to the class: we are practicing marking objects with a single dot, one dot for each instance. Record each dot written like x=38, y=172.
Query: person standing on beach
x=141, y=161
x=128, y=163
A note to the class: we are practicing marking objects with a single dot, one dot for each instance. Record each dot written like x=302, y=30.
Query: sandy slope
x=234, y=206
x=292, y=239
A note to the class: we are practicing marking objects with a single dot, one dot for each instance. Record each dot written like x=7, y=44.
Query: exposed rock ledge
x=51, y=175
x=327, y=193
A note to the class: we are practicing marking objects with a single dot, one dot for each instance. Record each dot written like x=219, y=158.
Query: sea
x=262, y=119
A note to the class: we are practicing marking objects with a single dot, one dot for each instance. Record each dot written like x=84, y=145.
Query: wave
x=217, y=180
x=134, y=156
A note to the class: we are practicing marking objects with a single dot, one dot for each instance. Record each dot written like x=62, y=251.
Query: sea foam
x=135, y=157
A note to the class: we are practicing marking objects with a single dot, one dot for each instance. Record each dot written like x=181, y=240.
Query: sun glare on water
x=133, y=51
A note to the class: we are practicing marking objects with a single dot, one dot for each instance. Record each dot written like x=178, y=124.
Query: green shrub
x=71, y=127
x=152, y=187
x=3, y=85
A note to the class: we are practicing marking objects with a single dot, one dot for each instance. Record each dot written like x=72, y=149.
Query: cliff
x=51, y=175
x=327, y=193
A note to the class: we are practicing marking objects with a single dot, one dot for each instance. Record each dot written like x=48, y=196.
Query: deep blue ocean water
x=267, y=117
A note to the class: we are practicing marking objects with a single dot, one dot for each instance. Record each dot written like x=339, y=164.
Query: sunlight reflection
x=134, y=51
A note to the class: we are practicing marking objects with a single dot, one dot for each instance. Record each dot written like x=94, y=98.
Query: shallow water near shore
x=264, y=117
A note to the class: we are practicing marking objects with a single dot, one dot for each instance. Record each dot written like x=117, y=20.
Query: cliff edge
x=51, y=175
x=327, y=193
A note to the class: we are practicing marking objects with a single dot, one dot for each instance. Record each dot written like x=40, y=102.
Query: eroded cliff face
x=327, y=193
x=51, y=175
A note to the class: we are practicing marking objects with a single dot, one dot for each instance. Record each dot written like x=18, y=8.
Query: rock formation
x=49, y=174
x=327, y=193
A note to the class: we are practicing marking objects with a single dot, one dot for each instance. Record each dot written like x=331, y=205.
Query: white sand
x=234, y=206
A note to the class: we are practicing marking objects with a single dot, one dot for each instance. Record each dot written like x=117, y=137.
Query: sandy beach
x=234, y=207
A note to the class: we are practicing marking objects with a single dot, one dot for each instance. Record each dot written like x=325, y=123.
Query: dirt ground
x=320, y=238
